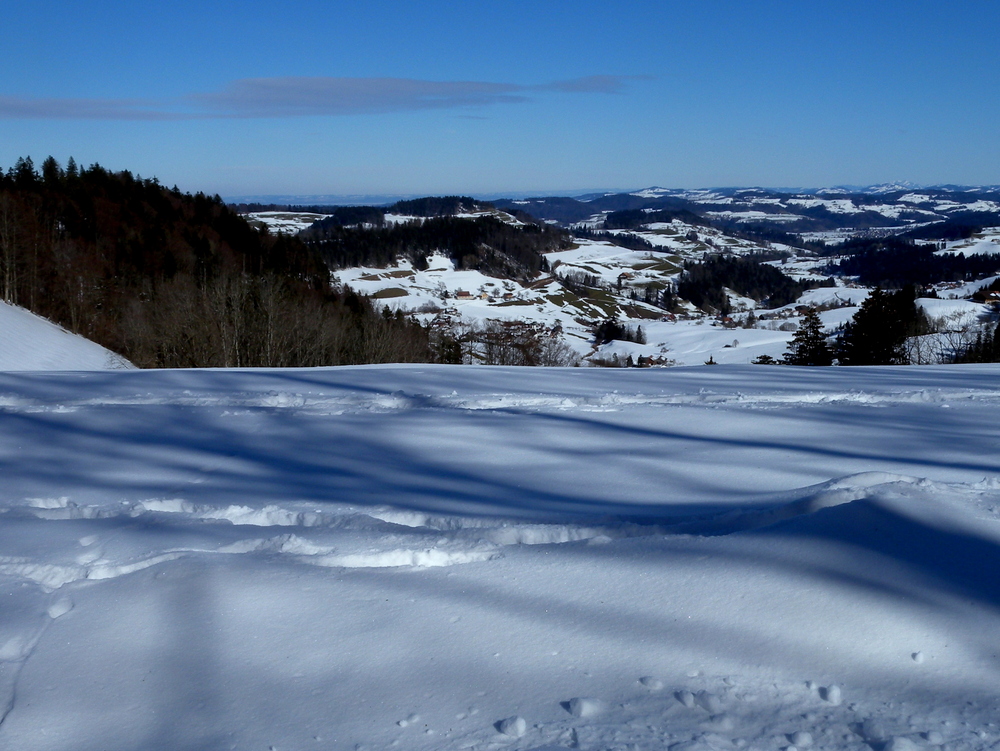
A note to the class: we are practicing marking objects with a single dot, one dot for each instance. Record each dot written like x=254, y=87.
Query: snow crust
x=447, y=557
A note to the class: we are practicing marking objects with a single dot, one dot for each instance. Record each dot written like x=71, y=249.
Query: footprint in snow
x=583, y=707
x=900, y=743
x=934, y=737
x=686, y=698
x=709, y=702
x=831, y=694
x=15, y=649
x=89, y=555
x=721, y=723
x=60, y=607
x=514, y=727
x=800, y=739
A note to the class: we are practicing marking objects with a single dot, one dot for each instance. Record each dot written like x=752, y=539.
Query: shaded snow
x=444, y=557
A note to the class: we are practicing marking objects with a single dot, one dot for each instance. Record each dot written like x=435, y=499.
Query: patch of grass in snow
x=384, y=294
x=643, y=313
x=665, y=267
x=563, y=297
x=604, y=300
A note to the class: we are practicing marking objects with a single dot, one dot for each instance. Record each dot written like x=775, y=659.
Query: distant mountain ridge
x=890, y=205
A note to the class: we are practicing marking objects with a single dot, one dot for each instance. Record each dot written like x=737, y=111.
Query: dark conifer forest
x=893, y=263
x=485, y=243
x=704, y=283
x=169, y=279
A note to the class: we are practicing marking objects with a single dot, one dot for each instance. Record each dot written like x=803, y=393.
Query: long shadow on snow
x=338, y=459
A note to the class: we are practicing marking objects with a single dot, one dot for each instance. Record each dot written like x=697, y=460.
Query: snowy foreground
x=452, y=557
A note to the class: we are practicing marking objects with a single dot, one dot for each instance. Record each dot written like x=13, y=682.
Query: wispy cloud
x=289, y=97
x=307, y=96
x=592, y=84
x=26, y=108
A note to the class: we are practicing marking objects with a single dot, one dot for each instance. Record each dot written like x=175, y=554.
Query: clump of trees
x=704, y=284
x=485, y=243
x=493, y=342
x=351, y=215
x=438, y=206
x=168, y=279
x=894, y=263
x=984, y=348
x=878, y=332
x=621, y=239
x=636, y=218
x=611, y=329
x=240, y=320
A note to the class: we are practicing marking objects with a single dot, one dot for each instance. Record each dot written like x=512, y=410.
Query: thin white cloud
x=306, y=96
x=290, y=97
x=592, y=84
x=26, y=108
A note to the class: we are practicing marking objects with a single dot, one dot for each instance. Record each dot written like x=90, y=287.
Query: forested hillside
x=170, y=279
x=894, y=262
x=485, y=243
x=704, y=283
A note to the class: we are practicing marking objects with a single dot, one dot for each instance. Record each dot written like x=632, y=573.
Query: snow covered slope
x=28, y=342
x=619, y=279
x=445, y=557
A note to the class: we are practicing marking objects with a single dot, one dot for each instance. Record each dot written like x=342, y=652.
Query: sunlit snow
x=29, y=342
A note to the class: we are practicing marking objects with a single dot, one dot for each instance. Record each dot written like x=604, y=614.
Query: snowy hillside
x=28, y=342
x=446, y=557
x=622, y=275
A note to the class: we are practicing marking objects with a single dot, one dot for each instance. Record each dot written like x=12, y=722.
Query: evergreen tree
x=877, y=334
x=609, y=329
x=808, y=346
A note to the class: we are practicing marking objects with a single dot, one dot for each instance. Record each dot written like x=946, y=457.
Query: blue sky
x=251, y=98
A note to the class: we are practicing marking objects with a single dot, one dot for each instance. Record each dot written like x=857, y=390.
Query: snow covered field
x=446, y=557
x=284, y=222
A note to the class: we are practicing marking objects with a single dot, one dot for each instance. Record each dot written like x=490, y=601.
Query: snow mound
x=807, y=501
